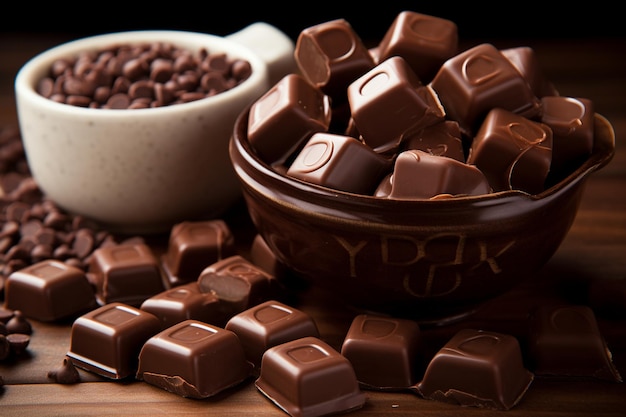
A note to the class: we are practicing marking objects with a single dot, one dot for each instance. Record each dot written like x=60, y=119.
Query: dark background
x=502, y=20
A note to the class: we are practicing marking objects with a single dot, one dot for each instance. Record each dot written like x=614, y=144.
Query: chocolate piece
x=18, y=342
x=285, y=117
x=125, y=273
x=330, y=56
x=420, y=175
x=5, y=347
x=339, y=162
x=479, y=79
x=107, y=340
x=184, y=302
x=49, y=291
x=572, y=123
x=193, y=359
x=391, y=91
x=477, y=368
x=65, y=374
x=384, y=351
x=424, y=41
x=526, y=62
x=441, y=139
x=512, y=151
x=19, y=324
x=307, y=377
x=237, y=283
x=269, y=324
x=566, y=341
x=194, y=245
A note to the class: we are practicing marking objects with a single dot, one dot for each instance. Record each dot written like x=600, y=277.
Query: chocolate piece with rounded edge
x=566, y=341
x=384, y=351
x=49, y=290
x=194, y=245
x=512, y=151
x=285, y=117
x=479, y=79
x=193, y=359
x=184, y=302
x=307, y=377
x=107, y=340
x=441, y=139
x=269, y=324
x=125, y=273
x=424, y=41
x=340, y=162
x=391, y=91
x=526, y=62
x=331, y=55
x=477, y=368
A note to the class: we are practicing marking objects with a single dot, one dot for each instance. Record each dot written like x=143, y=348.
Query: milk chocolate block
x=384, y=351
x=566, y=341
x=572, y=122
x=391, y=91
x=286, y=116
x=512, y=151
x=421, y=175
x=184, y=302
x=479, y=79
x=49, y=290
x=307, y=377
x=441, y=139
x=269, y=324
x=125, y=273
x=237, y=283
x=193, y=359
x=107, y=340
x=330, y=56
x=339, y=162
x=194, y=245
x=424, y=41
x=526, y=62
x=477, y=368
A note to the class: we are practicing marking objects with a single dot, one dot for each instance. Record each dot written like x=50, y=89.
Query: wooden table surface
x=594, y=250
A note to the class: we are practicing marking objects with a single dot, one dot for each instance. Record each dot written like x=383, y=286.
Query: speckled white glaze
x=142, y=170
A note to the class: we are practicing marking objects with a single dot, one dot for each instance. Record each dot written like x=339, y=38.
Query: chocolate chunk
x=18, y=342
x=479, y=79
x=566, y=341
x=193, y=359
x=331, y=55
x=194, y=245
x=184, y=302
x=424, y=41
x=19, y=324
x=307, y=377
x=65, y=374
x=237, y=283
x=384, y=351
x=391, y=91
x=125, y=273
x=420, y=175
x=49, y=290
x=526, y=62
x=512, y=151
x=339, y=162
x=107, y=340
x=285, y=117
x=441, y=139
x=269, y=324
x=477, y=368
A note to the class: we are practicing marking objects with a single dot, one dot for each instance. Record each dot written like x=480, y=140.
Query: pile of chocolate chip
x=126, y=76
x=414, y=118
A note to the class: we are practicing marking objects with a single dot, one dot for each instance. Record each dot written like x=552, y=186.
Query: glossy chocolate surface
x=441, y=139
x=384, y=351
x=479, y=369
x=49, y=290
x=307, y=377
x=107, y=340
x=193, y=359
x=269, y=324
x=526, y=62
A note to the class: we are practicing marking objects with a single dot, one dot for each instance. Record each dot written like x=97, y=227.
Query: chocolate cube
x=441, y=139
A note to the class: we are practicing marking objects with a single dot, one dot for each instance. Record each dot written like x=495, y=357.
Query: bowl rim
x=602, y=153
x=34, y=69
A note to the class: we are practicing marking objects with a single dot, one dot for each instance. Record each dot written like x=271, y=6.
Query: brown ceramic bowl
x=431, y=260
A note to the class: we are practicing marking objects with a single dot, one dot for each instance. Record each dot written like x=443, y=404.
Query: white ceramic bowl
x=142, y=170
